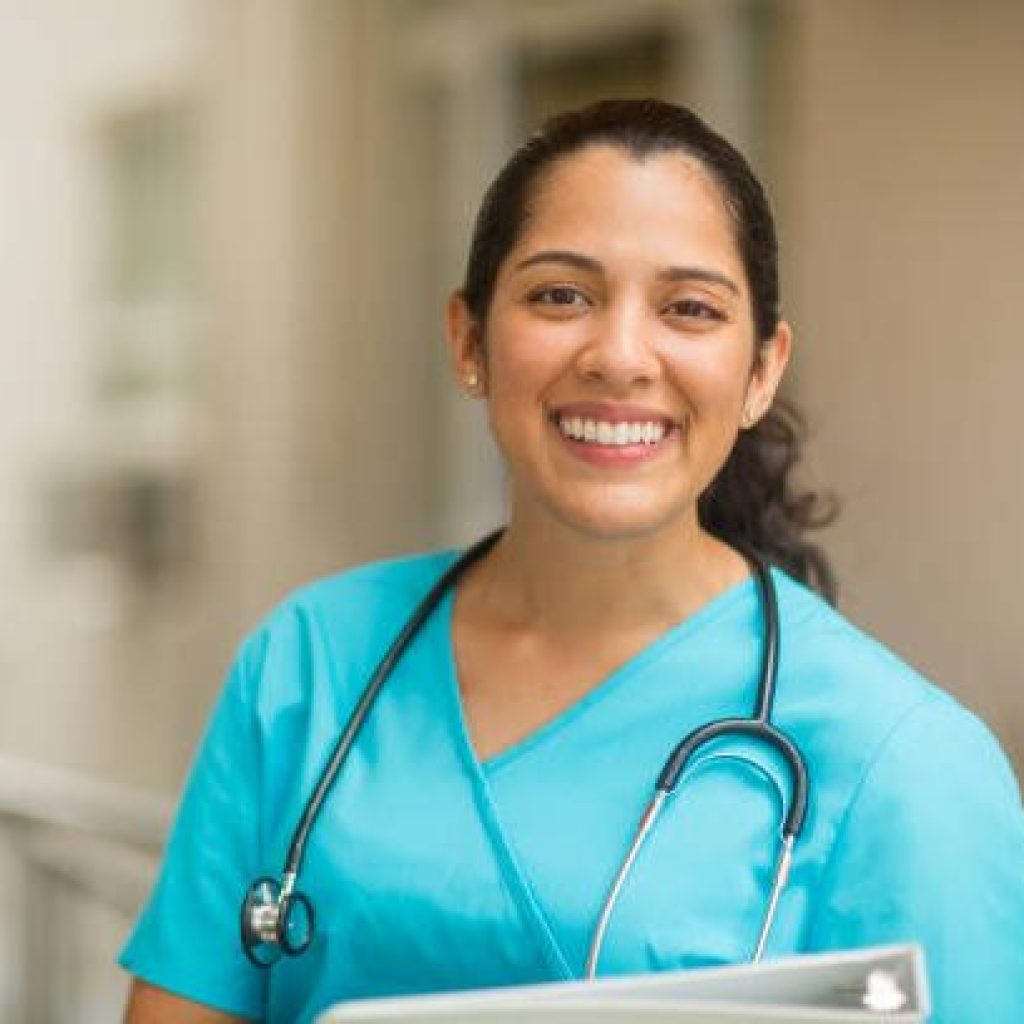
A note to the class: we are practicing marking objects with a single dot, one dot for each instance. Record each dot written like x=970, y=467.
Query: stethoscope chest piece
x=275, y=921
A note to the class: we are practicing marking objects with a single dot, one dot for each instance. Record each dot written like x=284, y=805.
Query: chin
x=626, y=523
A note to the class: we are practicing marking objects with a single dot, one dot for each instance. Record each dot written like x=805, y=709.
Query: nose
x=620, y=349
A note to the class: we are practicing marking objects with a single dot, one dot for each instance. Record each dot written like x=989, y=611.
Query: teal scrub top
x=430, y=870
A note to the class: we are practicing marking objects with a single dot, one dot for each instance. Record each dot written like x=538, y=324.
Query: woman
x=620, y=319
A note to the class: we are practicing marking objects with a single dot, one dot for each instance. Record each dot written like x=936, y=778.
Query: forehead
x=661, y=206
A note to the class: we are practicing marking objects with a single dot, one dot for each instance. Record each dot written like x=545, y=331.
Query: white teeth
x=613, y=434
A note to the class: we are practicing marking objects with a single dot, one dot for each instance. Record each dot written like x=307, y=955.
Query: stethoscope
x=279, y=919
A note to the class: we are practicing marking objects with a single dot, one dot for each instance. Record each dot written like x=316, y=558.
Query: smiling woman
x=620, y=318
x=722, y=219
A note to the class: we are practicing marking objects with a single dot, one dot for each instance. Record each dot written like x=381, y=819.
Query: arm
x=148, y=1004
x=932, y=851
x=186, y=940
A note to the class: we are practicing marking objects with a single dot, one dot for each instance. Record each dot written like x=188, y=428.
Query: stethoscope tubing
x=268, y=906
x=360, y=713
x=758, y=728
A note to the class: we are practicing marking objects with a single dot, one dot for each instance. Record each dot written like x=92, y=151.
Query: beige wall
x=903, y=173
x=893, y=138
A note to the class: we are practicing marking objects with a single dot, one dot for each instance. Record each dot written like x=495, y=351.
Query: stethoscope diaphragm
x=275, y=922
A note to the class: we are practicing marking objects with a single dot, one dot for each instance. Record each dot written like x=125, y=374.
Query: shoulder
x=370, y=596
x=873, y=720
x=385, y=588
x=335, y=627
x=834, y=667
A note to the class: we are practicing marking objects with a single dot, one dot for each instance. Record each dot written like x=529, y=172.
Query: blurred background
x=228, y=230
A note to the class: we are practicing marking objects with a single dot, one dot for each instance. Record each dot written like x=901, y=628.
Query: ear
x=464, y=346
x=769, y=366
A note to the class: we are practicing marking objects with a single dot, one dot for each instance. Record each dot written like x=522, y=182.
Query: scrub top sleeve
x=187, y=939
x=931, y=850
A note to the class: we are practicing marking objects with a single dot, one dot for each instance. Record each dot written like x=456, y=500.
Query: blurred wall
x=71, y=693
x=904, y=229
x=320, y=427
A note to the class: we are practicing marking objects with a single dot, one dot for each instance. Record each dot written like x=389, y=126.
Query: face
x=619, y=356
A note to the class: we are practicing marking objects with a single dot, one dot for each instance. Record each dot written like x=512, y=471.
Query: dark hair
x=752, y=502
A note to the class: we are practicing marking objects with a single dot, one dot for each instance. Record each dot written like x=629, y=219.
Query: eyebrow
x=564, y=256
x=577, y=260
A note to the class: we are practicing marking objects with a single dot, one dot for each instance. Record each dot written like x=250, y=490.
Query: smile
x=618, y=434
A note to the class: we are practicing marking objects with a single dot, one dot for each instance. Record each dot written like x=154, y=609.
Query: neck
x=557, y=581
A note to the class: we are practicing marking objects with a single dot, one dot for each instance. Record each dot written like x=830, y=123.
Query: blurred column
x=252, y=190
x=320, y=446
x=477, y=118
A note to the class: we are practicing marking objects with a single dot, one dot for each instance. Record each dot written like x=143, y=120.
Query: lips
x=608, y=412
x=610, y=435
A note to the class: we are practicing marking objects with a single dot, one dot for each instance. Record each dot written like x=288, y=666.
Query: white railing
x=77, y=858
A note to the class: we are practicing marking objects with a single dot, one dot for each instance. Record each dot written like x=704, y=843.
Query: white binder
x=869, y=986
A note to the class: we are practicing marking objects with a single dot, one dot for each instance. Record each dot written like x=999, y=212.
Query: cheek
x=517, y=376
x=524, y=364
x=715, y=380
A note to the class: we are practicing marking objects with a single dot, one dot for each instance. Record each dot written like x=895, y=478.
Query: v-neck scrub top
x=432, y=871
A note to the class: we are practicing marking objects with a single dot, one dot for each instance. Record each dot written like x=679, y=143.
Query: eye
x=558, y=297
x=695, y=309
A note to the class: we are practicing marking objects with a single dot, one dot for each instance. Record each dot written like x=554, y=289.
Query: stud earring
x=472, y=382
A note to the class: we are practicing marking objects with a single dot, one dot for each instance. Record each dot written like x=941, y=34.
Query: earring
x=471, y=382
